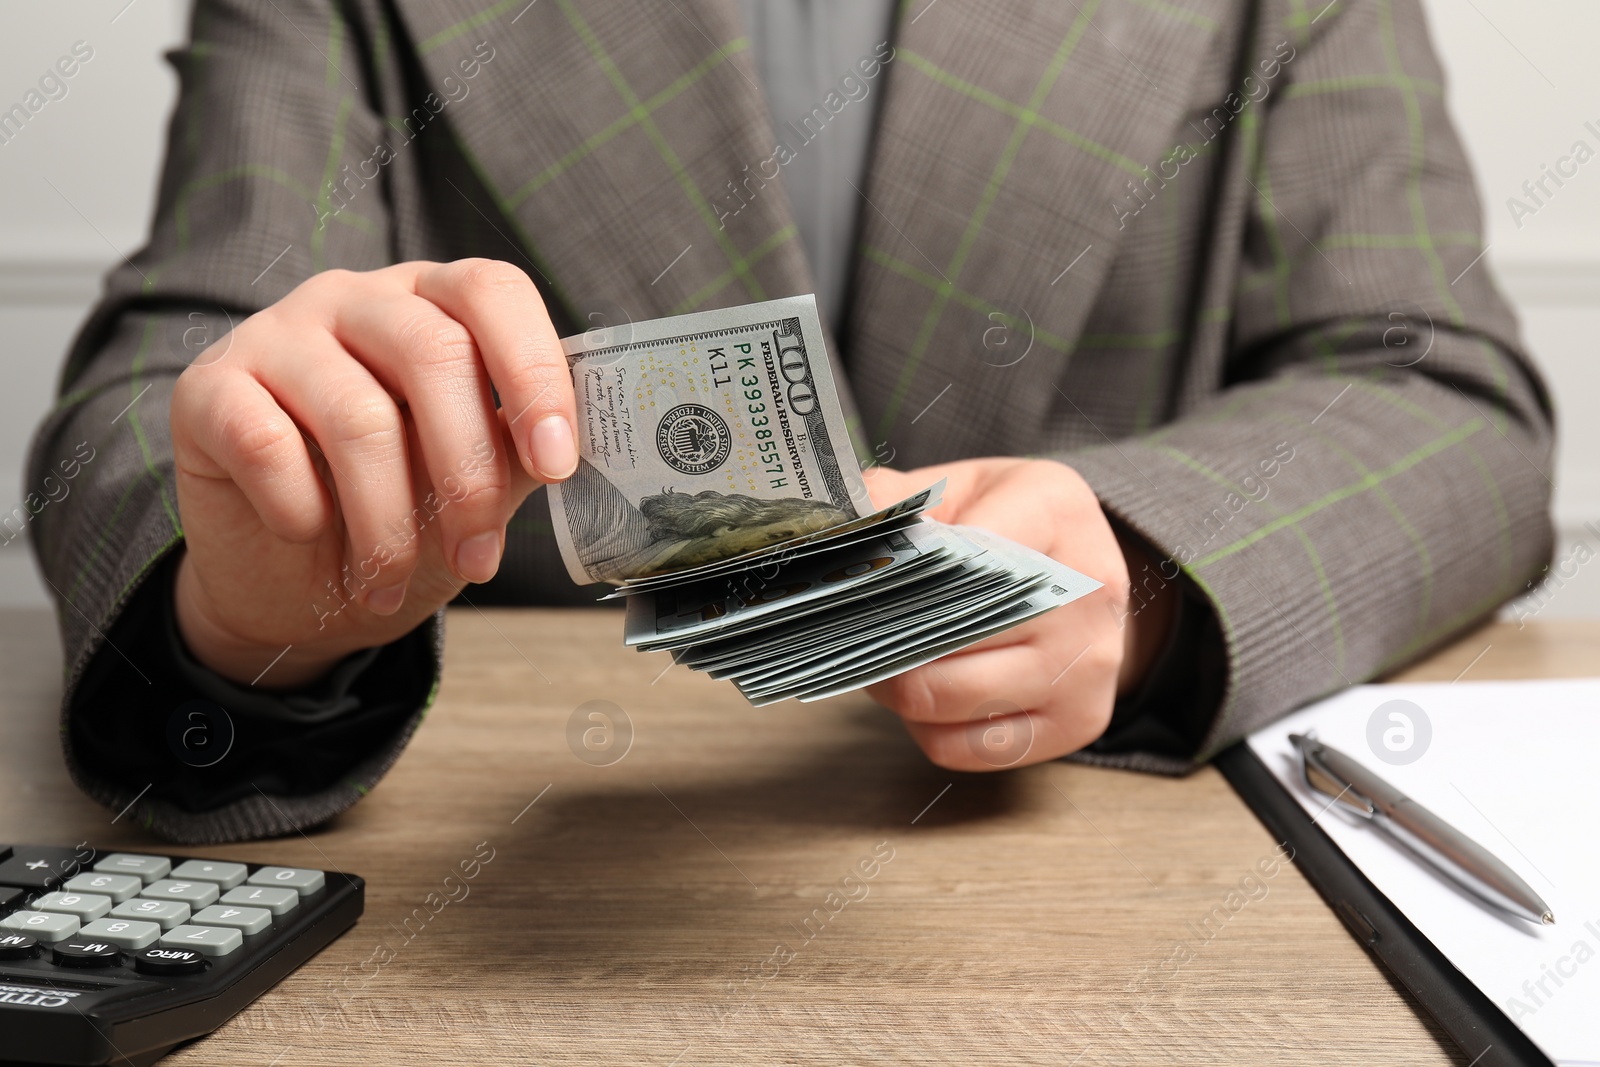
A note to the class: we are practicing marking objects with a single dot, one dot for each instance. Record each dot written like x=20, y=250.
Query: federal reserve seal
x=693, y=439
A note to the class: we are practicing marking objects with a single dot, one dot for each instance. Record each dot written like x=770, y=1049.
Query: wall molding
x=54, y=281
x=1570, y=283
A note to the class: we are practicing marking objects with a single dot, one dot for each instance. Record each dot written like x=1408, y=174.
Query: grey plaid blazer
x=1221, y=257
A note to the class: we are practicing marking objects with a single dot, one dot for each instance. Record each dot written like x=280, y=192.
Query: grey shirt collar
x=812, y=56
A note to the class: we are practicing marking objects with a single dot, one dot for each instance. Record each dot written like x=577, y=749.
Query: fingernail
x=554, y=451
x=478, y=557
x=386, y=601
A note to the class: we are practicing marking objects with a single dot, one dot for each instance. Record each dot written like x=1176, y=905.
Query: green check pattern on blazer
x=1162, y=240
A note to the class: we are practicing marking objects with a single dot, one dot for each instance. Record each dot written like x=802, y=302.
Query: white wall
x=77, y=184
x=76, y=188
x=1522, y=84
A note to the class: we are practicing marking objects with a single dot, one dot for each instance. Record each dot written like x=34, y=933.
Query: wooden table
x=664, y=909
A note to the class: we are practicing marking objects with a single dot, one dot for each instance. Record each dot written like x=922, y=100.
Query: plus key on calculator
x=118, y=957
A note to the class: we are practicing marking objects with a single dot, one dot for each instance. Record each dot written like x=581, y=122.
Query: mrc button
x=156, y=960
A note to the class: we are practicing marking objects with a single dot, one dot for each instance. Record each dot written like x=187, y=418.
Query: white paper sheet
x=1516, y=765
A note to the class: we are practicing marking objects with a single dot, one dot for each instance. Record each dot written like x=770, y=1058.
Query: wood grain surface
x=701, y=900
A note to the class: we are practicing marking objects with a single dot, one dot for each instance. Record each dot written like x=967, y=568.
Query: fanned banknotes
x=718, y=491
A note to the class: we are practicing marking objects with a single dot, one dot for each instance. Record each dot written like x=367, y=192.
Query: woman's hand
x=342, y=470
x=1045, y=688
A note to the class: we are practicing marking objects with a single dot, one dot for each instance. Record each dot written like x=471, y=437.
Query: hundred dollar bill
x=1035, y=584
x=763, y=560
x=703, y=438
x=685, y=614
x=860, y=611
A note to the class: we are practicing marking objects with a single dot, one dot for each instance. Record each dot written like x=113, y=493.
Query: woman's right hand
x=342, y=470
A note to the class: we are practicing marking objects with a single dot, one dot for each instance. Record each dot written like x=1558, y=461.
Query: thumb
x=888, y=486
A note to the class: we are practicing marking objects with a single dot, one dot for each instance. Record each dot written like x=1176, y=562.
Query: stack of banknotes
x=719, y=492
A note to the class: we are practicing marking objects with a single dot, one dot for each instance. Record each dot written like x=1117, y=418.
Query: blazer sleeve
x=1374, y=474
x=275, y=109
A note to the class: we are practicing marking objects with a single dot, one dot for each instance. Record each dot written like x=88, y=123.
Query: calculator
x=119, y=957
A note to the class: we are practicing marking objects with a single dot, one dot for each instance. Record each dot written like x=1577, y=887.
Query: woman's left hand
x=1046, y=688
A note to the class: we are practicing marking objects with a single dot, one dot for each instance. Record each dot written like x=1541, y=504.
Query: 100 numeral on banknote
x=701, y=438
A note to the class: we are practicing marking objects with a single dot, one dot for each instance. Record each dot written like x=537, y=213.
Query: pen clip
x=1325, y=780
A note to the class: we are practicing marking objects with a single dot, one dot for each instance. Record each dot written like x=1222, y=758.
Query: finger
x=1023, y=516
x=959, y=700
x=423, y=355
x=886, y=486
x=1015, y=740
x=522, y=483
x=1046, y=506
x=357, y=428
x=965, y=481
x=954, y=688
x=502, y=308
x=227, y=426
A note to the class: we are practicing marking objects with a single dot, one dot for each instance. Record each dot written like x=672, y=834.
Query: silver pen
x=1466, y=862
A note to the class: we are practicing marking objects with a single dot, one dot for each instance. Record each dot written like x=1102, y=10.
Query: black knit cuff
x=211, y=760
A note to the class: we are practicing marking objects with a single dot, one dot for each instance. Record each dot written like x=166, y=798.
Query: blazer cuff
x=202, y=760
x=331, y=696
x=1161, y=724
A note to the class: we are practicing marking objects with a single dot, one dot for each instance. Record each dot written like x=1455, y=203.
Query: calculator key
x=194, y=894
x=86, y=952
x=226, y=875
x=164, y=913
x=10, y=899
x=85, y=906
x=45, y=925
x=148, y=868
x=245, y=920
x=169, y=961
x=124, y=933
x=36, y=868
x=18, y=947
x=118, y=887
x=277, y=901
x=288, y=878
x=207, y=940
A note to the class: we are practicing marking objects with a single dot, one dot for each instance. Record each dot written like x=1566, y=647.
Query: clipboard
x=1485, y=1035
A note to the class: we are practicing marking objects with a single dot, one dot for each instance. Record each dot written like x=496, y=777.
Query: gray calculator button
x=194, y=894
x=226, y=875
x=164, y=913
x=245, y=920
x=118, y=887
x=277, y=901
x=85, y=906
x=44, y=925
x=288, y=878
x=124, y=933
x=208, y=940
x=148, y=868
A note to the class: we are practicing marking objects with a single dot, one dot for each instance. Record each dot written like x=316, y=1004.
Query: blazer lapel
x=627, y=144
x=615, y=136
x=1005, y=141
